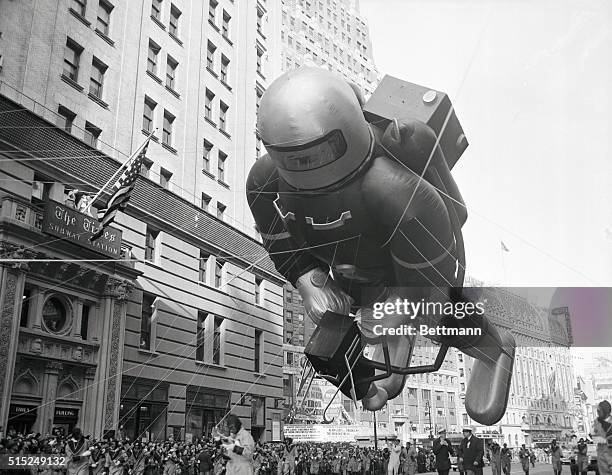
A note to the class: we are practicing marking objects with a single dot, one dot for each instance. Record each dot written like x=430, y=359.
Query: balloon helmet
x=311, y=123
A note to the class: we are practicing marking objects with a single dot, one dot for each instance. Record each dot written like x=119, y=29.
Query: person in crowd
x=582, y=458
x=524, y=456
x=472, y=452
x=77, y=453
x=495, y=459
x=443, y=450
x=506, y=459
x=556, y=453
x=409, y=466
x=394, y=458
x=238, y=447
x=602, y=436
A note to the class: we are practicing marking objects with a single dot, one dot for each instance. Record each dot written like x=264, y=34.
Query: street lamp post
x=375, y=431
x=428, y=409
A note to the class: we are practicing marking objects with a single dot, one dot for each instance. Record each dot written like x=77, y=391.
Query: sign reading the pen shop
x=70, y=225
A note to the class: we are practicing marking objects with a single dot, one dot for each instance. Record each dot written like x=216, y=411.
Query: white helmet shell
x=312, y=125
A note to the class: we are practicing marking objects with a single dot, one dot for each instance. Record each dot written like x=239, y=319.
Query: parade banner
x=325, y=432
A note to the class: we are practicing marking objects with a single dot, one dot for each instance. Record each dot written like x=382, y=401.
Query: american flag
x=124, y=186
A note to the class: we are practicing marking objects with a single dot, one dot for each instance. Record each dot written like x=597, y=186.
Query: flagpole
x=504, y=266
x=130, y=158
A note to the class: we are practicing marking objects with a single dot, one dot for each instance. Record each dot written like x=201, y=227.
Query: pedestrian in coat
x=556, y=454
x=495, y=459
x=443, y=450
x=472, y=450
x=238, y=447
x=602, y=436
x=506, y=459
x=524, y=456
x=410, y=460
x=77, y=454
x=582, y=459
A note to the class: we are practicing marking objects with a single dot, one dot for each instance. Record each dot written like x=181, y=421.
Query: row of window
x=211, y=49
x=173, y=22
x=210, y=267
x=105, y=8
x=72, y=66
x=225, y=19
x=221, y=163
x=65, y=121
x=209, y=100
x=210, y=335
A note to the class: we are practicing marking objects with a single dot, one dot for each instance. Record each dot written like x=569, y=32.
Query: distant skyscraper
x=329, y=34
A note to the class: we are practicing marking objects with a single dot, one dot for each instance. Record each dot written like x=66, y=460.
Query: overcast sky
x=531, y=83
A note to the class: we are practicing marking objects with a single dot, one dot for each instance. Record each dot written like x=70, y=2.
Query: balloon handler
x=356, y=205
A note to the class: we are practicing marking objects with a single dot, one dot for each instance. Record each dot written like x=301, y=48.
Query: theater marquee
x=72, y=226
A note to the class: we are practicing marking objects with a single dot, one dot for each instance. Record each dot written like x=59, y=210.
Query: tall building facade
x=541, y=405
x=171, y=319
x=187, y=72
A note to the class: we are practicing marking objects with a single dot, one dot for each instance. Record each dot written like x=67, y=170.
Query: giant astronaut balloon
x=357, y=214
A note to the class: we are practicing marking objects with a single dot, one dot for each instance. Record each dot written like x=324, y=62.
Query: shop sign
x=66, y=413
x=19, y=409
x=70, y=225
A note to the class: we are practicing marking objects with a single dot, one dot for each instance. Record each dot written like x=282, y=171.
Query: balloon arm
x=285, y=252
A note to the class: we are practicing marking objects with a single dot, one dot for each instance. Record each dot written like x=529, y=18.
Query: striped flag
x=124, y=186
x=503, y=247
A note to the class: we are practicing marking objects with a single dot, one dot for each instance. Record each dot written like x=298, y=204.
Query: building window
x=220, y=210
x=218, y=273
x=152, y=59
x=146, y=320
x=85, y=321
x=164, y=178
x=222, y=115
x=204, y=257
x=258, y=290
x=226, y=25
x=148, y=114
x=206, y=156
x=156, y=7
x=259, y=61
x=212, y=11
x=201, y=335
x=79, y=6
x=289, y=358
x=208, y=104
x=104, y=13
x=221, y=166
x=96, y=83
x=217, y=340
x=258, y=353
x=171, y=67
x=175, y=14
x=210, y=56
x=167, y=131
x=72, y=55
x=289, y=316
x=289, y=337
x=91, y=134
x=205, y=203
x=25, y=308
x=65, y=118
x=146, y=167
x=224, y=68
x=260, y=15
x=151, y=244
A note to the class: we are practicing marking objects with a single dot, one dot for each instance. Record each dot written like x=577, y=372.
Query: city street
x=540, y=468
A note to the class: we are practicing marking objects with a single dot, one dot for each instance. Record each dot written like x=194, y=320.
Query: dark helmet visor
x=311, y=155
